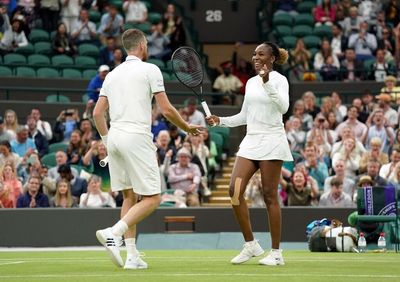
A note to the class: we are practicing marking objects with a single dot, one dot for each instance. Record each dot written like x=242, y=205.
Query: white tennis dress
x=132, y=155
x=262, y=110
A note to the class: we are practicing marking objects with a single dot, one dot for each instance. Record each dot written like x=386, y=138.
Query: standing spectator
x=78, y=184
x=42, y=145
x=380, y=69
x=43, y=126
x=350, y=155
x=95, y=198
x=322, y=55
x=351, y=24
x=66, y=122
x=111, y=24
x=63, y=197
x=348, y=181
x=295, y=135
x=227, y=83
x=106, y=55
x=33, y=198
x=50, y=14
x=185, y=176
x=368, y=10
x=4, y=135
x=241, y=68
x=62, y=42
x=392, y=89
x=356, y=126
x=351, y=69
x=11, y=183
x=367, y=105
x=13, y=38
x=374, y=152
x=338, y=41
x=61, y=159
x=23, y=145
x=202, y=152
x=135, y=11
x=158, y=43
x=340, y=109
x=169, y=19
x=178, y=35
x=316, y=167
x=336, y=197
x=162, y=143
x=301, y=190
x=393, y=12
x=384, y=103
x=70, y=12
x=194, y=115
x=325, y=13
x=11, y=122
x=363, y=42
x=84, y=31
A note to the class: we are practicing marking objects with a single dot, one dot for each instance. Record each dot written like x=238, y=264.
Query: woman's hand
x=212, y=120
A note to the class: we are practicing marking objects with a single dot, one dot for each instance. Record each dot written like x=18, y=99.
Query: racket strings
x=188, y=67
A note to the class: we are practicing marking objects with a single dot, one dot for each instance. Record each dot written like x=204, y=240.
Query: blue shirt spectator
x=111, y=24
x=95, y=84
x=33, y=198
x=23, y=145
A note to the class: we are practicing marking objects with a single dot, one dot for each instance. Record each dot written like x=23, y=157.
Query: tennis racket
x=188, y=69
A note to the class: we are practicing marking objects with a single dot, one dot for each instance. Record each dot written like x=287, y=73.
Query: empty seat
x=47, y=72
x=14, y=59
x=282, y=19
x=26, y=50
x=305, y=7
x=323, y=31
x=62, y=60
x=94, y=16
x=302, y=30
x=43, y=48
x=89, y=74
x=54, y=98
x=25, y=72
x=145, y=27
x=283, y=30
x=85, y=61
x=289, y=42
x=304, y=19
x=60, y=146
x=5, y=71
x=311, y=41
x=157, y=62
x=154, y=17
x=37, y=35
x=71, y=73
x=88, y=50
x=37, y=59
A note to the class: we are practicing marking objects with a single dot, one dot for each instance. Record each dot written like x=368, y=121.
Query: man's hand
x=212, y=120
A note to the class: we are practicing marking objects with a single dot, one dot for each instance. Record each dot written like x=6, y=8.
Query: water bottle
x=362, y=243
x=382, y=243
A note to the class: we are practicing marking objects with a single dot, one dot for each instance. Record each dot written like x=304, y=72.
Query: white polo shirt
x=129, y=89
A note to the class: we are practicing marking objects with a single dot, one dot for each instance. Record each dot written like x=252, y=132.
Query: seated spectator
x=373, y=167
x=96, y=152
x=169, y=19
x=338, y=41
x=351, y=24
x=66, y=122
x=310, y=104
x=295, y=135
x=78, y=184
x=42, y=145
x=158, y=43
x=87, y=131
x=194, y=115
x=76, y=148
x=43, y=127
x=345, y=133
x=7, y=156
x=394, y=178
x=177, y=137
x=391, y=88
x=348, y=182
x=84, y=31
x=106, y=55
x=387, y=43
x=5, y=201
x=4, y=135
x=23, y=145
x=118, y=58
x=387, y=170
x=135, y=11
x=95, y=84
x=375, y=152
x=351, y=69
x=61, y=159
x=63, y=197
x=226, y=83
x=321, y=126
x=322, y=55
x=336, y=197
x=364, y=43
x=301, y=190
x=328, y=71
x=202, y=152
x=162, y=144
x=13, y=38
x=33, y=198
x=158, y=122
x=11, y=122
x=95, y=198
x=212, y=164
x=111, y=24
x=325, y=13
x=350, y=155
x=11, y=184
x=300, y=58
x=299, y=111
x=316, y=167
x=253, y=191
x=185, y=176
x=367, y=106
x=380, y=69
x=62, y=42
x=340, y=109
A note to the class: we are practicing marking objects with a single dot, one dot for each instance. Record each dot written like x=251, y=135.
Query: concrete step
x=223, y=181
x=220, y=193
x=222, y=187
x=220, y=200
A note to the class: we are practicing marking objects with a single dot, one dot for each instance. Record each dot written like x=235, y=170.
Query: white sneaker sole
x=135, y=267
x=117, y=260
x=256, y=255
x=272, y=263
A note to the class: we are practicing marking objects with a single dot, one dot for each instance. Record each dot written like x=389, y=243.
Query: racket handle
x=103, y=162
x=205, y=108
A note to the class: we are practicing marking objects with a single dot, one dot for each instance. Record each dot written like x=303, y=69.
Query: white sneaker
x=273, y=258
x=112, y=244
x=206, y=192
x=250, y=249
x=135, y=262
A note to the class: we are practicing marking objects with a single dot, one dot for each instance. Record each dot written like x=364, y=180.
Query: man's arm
x=99, y=113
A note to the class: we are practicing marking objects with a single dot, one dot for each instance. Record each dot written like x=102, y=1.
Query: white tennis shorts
x=133, y=163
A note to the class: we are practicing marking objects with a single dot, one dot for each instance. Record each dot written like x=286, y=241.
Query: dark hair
x=280, y=54
x=336, y=181
x=5, y=143
x=64, y=168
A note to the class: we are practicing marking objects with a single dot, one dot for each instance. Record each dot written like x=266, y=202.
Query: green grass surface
x=209, y=265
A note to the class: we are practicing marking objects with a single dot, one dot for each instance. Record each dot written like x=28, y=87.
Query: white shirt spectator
x=101, y=200
x=135, y=11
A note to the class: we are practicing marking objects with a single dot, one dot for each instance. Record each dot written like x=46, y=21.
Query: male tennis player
x=127, y=93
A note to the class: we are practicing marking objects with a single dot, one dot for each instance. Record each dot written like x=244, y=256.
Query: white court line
x=12, y=262
x=136, y=274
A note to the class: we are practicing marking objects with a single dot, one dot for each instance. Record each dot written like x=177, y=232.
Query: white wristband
x=104, y=139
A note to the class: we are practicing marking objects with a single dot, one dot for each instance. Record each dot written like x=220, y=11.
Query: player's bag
x=332, y=237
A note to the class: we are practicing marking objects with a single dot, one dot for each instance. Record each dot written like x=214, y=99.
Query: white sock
x=130, y=244
x=119, y=228
x=250, y=242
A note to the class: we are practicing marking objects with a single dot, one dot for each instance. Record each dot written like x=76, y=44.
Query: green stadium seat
x=368, y=64
x=145, y=27
x=313, y=51
x=116, y=3
x=26, y=50
x=89, y=74
x=311, y=41
x=88, y=50
x=283, y=30
x=49, y=160
x=323, y=31
x=54, y=98
x=224, y=131
x=14, y=59
x=62, y=60
x=302, y=30
x=282, y=19
x=218, y=139
x=148, y=4
x=71, y=73
x=168, y=65
x=289, y=42
x=305, y=7
x=25, y=72
x=43, y=48
x=5, y=71
x=304, y=19
x=157, y=62
x=60, y=146
x=38, y=59
x=47, y=73
x=154, y=17
x=166, y=76
x=1, y=59
x=85, y=98
x=94, y=16
x=85, y=61
x=37, y=35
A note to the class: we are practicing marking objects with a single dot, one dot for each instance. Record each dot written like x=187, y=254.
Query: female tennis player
x=264, y=147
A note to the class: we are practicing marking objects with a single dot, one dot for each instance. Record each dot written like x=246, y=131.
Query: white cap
x=104, y=68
